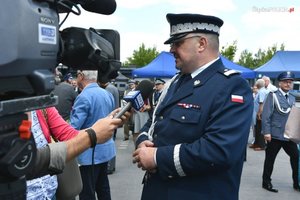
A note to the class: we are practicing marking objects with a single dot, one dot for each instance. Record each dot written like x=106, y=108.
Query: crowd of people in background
x=191, y=132
x=271, y=109
x=81, y=96
x=82, y=99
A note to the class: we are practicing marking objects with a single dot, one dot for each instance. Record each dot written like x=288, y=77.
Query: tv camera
x=31, y=47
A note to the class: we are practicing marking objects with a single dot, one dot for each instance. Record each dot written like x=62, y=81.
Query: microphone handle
x=123, y=110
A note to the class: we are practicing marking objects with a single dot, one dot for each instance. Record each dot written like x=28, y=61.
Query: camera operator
x=46, y=124
x=52, y=158
x=26, y=80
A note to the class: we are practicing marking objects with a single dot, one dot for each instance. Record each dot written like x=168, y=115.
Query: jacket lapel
x=286, y=102
x=188, y=88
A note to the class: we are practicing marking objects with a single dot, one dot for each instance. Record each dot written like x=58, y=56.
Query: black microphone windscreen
x=146, y=88
x=105, y=7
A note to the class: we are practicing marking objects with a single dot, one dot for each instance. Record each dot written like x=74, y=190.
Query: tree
x=263, y=56
x=251, y=61
x=229, y=51
x=142, y=56
x=246, y=59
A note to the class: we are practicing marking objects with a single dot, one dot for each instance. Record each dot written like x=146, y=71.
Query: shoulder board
x=230, y=72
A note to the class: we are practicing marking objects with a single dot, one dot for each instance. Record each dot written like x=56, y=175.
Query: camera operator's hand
x=105, y=127
x=52, y=158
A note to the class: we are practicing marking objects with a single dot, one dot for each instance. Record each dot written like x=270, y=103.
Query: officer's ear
x=202, y=42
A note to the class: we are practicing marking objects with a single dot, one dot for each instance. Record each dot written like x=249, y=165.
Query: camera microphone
x=105, y=7
x=136, y=98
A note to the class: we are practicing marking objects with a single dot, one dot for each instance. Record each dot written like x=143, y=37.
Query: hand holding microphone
x=136, y=98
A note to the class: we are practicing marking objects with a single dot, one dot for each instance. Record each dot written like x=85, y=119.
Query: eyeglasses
x=178, y=43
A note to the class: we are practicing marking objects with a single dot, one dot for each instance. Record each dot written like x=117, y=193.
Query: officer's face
x=159, y=86
x=79, y=80
x=186, y=53
x=131, y=85
x=286, y=85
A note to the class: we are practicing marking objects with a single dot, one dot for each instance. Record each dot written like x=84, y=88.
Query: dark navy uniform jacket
x=201, y=135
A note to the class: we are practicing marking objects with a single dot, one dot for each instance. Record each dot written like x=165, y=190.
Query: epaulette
x=230, y=72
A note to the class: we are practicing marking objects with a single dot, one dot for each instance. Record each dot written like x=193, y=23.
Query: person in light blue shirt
x=92, y=104
x=259, y=142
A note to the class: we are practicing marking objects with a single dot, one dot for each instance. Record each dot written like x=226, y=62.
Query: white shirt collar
x=282, y=92
x=199, y=70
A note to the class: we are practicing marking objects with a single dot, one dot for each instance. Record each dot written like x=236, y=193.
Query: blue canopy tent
x=281, y=61
x=163, y=66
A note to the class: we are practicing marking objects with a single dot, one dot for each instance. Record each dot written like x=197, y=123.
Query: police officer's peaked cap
x=131, y=81
x=159, y=81
x=68, y=76
x=286, y=76
x=183, y=24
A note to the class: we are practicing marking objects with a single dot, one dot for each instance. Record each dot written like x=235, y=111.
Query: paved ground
x=126, y=181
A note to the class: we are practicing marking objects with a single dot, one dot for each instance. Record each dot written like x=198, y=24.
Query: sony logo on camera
x=47, y=20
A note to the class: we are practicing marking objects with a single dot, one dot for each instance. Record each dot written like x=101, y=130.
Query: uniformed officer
x=276, y=110
x=129, y=125
x=158, y=88
x=195, y=146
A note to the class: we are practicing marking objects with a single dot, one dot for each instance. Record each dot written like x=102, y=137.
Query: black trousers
x=259, y=138
x=94, y=179
x=272, y=150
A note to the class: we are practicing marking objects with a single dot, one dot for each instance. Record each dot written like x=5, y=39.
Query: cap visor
x=283, y=79
x=175, y=38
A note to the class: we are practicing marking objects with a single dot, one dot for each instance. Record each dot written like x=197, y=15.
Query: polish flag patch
x=237, y=98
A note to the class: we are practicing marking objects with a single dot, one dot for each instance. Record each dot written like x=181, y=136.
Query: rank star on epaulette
x=228, y=72
x=197, y=82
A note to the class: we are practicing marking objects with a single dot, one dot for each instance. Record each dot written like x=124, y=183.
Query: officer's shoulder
x=273, y=92
x=229, y=72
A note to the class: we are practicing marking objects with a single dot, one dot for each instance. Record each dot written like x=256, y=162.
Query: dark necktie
x=182, y=79
x=156, y=96
x=286, y=96
x=176, y=86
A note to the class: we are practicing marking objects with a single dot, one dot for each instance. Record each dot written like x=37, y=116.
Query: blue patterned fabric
x=42, y=188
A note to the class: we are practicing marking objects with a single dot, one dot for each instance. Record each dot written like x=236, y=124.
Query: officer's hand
x=144, y=157
x=258, y=116
x=268, y=137
x=146, y=143
x=145, y=108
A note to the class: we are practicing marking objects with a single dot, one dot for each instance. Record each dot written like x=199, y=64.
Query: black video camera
x=31, y=47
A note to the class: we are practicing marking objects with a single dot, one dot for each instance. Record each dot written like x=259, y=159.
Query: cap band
x=189, y=27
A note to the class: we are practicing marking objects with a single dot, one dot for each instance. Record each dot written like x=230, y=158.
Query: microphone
x=105, y=7
x=136, y=98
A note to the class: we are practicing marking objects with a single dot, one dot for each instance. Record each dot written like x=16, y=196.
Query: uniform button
x=212, y=164
x=161, y=117
x=183, y=117
x=155, y=136
x=170, y=176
